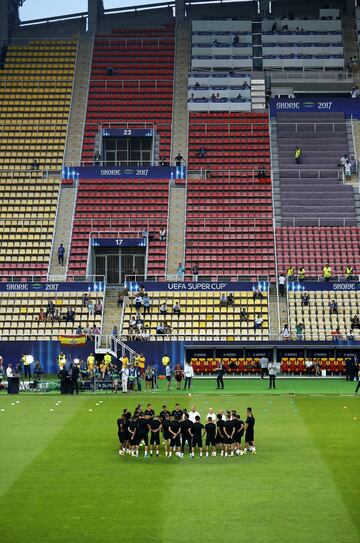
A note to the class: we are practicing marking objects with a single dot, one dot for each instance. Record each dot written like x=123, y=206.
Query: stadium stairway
x=72, y=156
x=180, y=120
x=349, y=33
x=63, y=230
x=76, y=126
x=176, y=229
x=111, y=316
x=313, y=190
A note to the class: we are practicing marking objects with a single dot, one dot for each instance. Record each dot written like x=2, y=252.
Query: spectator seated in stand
x=223, y=300
x=258, y=321
x=176, y=309
x=160, y=329
x=98, y=308
x=257, y=295
x=355, y=322
x=333, y=307
x=42, y=316
x=69, y=315
x=244, y=316
x=305, y=298
x=163, y=309
x=230, y=299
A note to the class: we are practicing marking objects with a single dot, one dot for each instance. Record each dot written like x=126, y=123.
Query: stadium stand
x=229, y=214
x=219, y=91
x=318, y=214
x=125, y=205
x=202, y=317
x=313, y=189
x=319, y=323
x=213, y=45
x=300, y=43
x=19, y=315
x=313, y=247
x=139, y=89
x=35, y=97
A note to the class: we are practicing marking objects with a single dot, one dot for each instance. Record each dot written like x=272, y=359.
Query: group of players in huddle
x=181, y=429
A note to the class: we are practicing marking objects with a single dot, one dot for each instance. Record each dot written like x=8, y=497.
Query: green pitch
x=62, y=480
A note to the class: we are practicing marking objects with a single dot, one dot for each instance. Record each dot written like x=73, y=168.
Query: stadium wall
x=46, y=352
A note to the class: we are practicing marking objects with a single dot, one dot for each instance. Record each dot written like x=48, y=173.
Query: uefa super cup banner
x=201, y=286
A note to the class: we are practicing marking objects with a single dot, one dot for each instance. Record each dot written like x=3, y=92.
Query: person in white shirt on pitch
x=9, y=371
x=211, y=415
x=188, y=374
x=125, y=378
x=193, y=414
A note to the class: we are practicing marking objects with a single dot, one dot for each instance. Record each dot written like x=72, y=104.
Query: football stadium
x=180, y=271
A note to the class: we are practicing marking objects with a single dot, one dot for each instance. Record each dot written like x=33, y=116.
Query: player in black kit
x=220, y=433
x=121, y=432
x=196, y=434
x=210, y=429
x=186, y=426
x=165, y=423
x=229, y=431
x=177, y=412
x=143, y=434
x=175, y=436
x=134, y=436
x=249, y=431
x=149, y=412
x=239, y=432
x=154, y=427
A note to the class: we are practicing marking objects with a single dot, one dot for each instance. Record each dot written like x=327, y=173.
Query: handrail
x=70, y=111
x=339, y=75
x=54, y=231
x=320, y=222
x=110, y=341
x=87, y=96
x=211, y=278
x=13, y=278
x=141, y=7
x=28, y=22
x=167, y=228
x=274, y=225
x=76, y=189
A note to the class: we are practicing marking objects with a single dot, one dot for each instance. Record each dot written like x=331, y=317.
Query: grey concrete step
x=176, y=232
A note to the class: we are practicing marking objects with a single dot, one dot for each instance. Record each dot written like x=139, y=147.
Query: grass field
x=62, y=480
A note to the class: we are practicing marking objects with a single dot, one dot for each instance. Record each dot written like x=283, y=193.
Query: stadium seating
x=35, y=96
x=318, y=213
x=124, y=205
x=319, y=324
x=229, y=215
x=313, y=247
x=302, y=43
x=202, y=317
x=219, y=91
x=19, y=313
x=296, y=365
x=232, y=365
x=313, y=190
x=140, y=89
x=213, y=47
